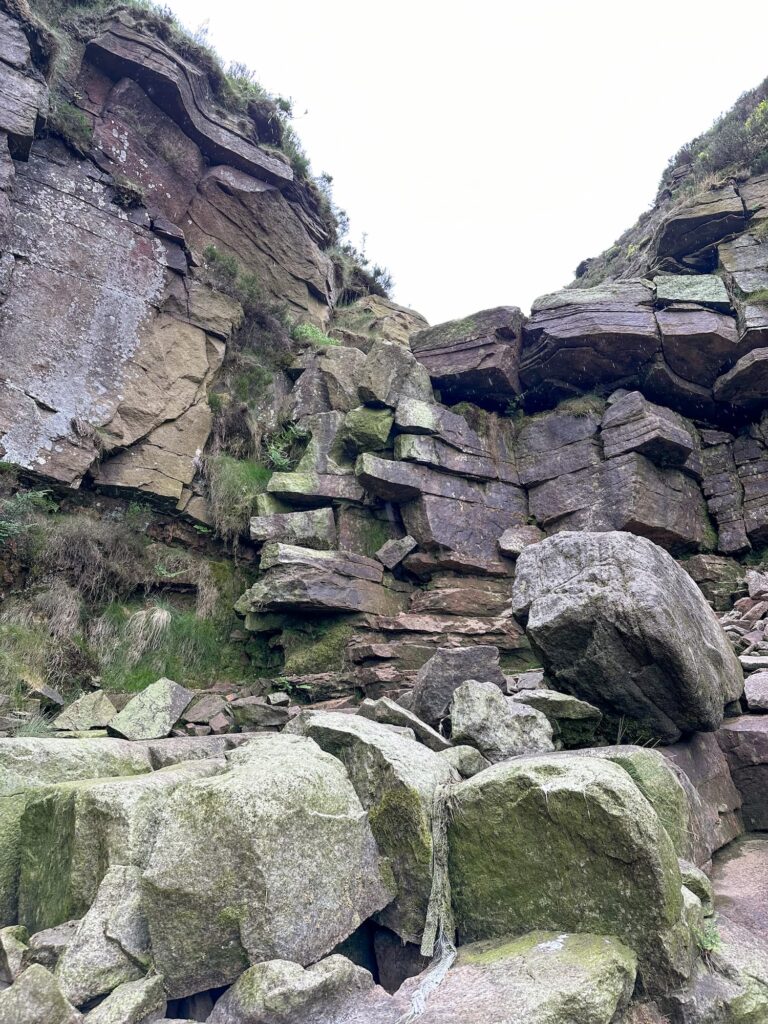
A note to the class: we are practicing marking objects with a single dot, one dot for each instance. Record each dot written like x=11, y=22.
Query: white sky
x=485, y=148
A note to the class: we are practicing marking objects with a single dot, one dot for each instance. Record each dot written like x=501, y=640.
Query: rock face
x=505, y=816
x=618, y=624
x=282, y=828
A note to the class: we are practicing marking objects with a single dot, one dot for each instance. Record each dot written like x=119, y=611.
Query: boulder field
x=356, y=670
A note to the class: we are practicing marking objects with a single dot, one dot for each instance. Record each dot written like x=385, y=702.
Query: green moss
x=72, y=125
x=312, y=334
x=758, y=297
x=313, y=647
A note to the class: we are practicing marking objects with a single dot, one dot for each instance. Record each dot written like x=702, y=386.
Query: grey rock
x=573, y=721
x=744, y=741
x=388, y=712
x=395, y=779
x=13, y=945
x=47, y=946
x=91, y=711
x=152, y=713
x=467, y=761
x=499, y=727
x=36, y=998
x=447, y=669
x=619, y=624
x=312, y=528
x=237, y=854
x=756, y=691
x=514, y=540
x=392, y=373
x=704, y=289
x=393, y=552
x=133, y=1002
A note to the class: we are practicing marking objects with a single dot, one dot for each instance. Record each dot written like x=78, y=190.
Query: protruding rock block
x=565, y=440
x=514, y=540
x=744, y=741
x=474, y=359
x=632, y=424
x=697, y=343
x=313, y=528
x=366, y=430
x=390, y=374
x=372, y=318
x=393, y=552
x=23, y=92
x=282, y=827
x=703, y=289
x=709, y=218
x=745, y=385
x=619, y=624
x=582, y=338
x=581, y=811
x=152, y=714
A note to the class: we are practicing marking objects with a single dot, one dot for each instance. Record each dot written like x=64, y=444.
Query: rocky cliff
x=352, y=668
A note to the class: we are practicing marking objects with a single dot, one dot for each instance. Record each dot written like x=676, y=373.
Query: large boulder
x=618, y=623
x=447, y=669
x=497, y=726
x=396, y=779
x=273, y=858
x=71, y=833
x=549, y=842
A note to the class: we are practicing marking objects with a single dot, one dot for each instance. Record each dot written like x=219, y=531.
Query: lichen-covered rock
x=152, y=714
x=36, y=997
x=601, y=837
x=28, y=763
x=371, y=318
x=542, y=978
x=447, y=669
x=388, y=712
x=467, y=761
x=395, y=779
x=333, y=991
x=272, y=858
x=46, y=947
x=499, y=727
x=620, y=625
x=704, y=289
x=366, y=430
x=756, y=691
x=574, y=722
x=13, y=945
x=392, y=373
x=111, y=943
x=71, y=833
x=133, y=1002
x=91, y=711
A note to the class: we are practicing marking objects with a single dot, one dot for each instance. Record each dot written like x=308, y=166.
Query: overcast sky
x=485, y=147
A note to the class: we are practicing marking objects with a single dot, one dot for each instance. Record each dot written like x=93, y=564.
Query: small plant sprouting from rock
x=72, y=125
x=22, y=513
x=127, y=194
x=312, y=334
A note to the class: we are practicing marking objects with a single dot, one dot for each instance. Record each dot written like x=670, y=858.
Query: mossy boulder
x=134, y=1002
x=73, y=832
x=366, y=430
x=540, y=978
x=574, y=722
x=111, y=944
x=35, y=997
x=567, y=842
x=273, y=858
x=28, y=763
x=395, y=778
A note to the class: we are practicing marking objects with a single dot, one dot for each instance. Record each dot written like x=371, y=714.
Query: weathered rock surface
x=91, y=711
x=281, y=828
x=133, y=1002
x=499, y=727
x=620, y=625
x=474, y=359
x=446, y=670
x=313, y=528
x=396, y=780
x=152, y=713
x=387, y=712
x=744, y=741
x=573, y=721
x=582, y=812
x=36, y=997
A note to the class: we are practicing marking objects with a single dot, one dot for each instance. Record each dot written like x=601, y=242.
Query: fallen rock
x=517, y=538
x=47, y=946
x=333, y=991
x=437, y=679
x=573, y=721
x=467, y=761
x=34, y=998
x=393, y=552
x=111, y=944
x=619, y=624
x=582, y=812
x=388, y=712
x=152, y=713
x=282, y=827
x=499, y=727
x=133, y=1002
x=541, y=978
x=396, y=780
x=756, y=691
x=91, y=711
